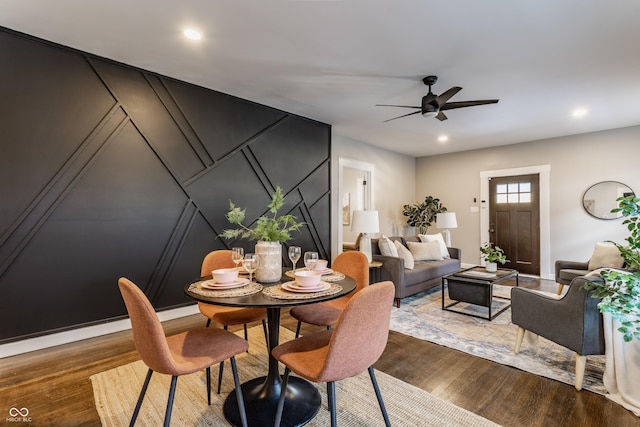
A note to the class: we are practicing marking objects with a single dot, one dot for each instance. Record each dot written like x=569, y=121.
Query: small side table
x=374, y=271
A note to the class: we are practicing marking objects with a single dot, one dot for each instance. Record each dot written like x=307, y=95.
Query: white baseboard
x=52, y=340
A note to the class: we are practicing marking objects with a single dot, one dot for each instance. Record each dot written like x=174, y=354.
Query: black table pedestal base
x=302, y=402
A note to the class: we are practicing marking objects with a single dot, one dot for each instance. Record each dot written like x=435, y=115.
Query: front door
x=514, y=221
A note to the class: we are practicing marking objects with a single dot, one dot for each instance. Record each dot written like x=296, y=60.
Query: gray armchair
x=566, y=271
x=572, y=321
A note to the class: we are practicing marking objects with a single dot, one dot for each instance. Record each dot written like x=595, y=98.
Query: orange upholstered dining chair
x=351, y=263
x=353, y=346
x=180, y=354
x=227, y=316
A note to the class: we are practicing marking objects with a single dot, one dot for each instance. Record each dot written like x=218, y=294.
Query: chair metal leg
x=283, y=391
x=266, y=334
x=379, y=396
x=239, y=397
x=208, y=375
x=221, y=367
x=172, y=393
x=331, y=401
x=246, y=336
x=208, y=322
x=140, y=398
x=298, y=329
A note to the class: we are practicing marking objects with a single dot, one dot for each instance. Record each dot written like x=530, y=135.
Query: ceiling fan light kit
x=433, y=105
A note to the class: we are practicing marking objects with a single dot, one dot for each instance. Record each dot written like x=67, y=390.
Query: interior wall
x=107, y=171
x=393, y=186
x=576, y=163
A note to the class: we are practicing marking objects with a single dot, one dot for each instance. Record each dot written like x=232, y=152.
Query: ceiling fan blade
x=403, y=106
x=441, y=116
x=462, y=104
x=399, y=117
x=445, y=96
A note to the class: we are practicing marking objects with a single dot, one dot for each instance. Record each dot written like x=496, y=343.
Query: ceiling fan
x=433, y=105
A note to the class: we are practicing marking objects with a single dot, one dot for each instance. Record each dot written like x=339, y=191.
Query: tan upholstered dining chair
x=180, y=354
x=228, y=316
x=353, y=346
x=353, y=264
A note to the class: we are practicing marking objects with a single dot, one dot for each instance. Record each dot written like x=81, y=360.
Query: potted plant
x=620, y=290
x=492, y=255
x=270, y=231
x=422, y=215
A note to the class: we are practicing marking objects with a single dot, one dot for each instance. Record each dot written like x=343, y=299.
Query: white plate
x=293, y=287
x=211, y=284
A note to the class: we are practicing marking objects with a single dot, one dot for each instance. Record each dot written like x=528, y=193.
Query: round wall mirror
x=600, y=199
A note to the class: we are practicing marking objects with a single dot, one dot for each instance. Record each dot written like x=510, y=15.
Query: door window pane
x=513, y=192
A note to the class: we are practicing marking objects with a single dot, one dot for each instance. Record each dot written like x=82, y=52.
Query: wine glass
x=250, y=263
x=310, y=260
x=294, y=255
x=237, y=254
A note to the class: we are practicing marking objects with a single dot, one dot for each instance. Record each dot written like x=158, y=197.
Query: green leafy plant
x=620, y=290
x=492, y=253
x=271, y=228
x=422, y=215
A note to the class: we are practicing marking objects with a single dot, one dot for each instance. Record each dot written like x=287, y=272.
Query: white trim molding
x=52, y=340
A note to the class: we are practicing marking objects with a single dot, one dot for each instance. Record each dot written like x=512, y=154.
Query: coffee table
x=475, y=286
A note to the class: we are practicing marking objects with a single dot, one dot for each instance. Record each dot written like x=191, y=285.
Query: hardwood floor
x=54, y=383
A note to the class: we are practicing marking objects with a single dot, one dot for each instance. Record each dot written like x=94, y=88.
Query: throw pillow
x=405, y=254
x=429, y=251
x=387, y=248
x=438, y=238
x=605, y=255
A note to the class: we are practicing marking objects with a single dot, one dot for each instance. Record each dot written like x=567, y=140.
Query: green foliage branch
x=267, y=228
x=492, y=253
x=422, y=215
x=620, y=290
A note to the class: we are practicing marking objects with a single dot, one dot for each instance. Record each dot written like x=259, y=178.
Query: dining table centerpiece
x=269, y=230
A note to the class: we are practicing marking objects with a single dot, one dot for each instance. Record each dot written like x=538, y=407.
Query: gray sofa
x=425, y=274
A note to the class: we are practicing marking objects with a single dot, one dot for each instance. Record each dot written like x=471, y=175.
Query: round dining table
x=302, y=398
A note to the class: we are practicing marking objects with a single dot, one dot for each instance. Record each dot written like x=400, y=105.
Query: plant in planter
x=422, y=215
x=269, y=231
x=492, y=255
x=620, y=290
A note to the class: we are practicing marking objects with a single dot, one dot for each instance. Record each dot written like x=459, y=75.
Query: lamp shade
x=446, y=220
x=365, y=222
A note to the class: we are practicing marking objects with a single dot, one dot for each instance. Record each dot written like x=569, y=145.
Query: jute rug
x=421, y=316
x=116, y=391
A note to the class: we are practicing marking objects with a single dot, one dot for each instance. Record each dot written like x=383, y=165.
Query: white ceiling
x=334, y=60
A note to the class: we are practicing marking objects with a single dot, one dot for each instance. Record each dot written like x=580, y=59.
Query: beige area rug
x=421, y=316
x=116, y=392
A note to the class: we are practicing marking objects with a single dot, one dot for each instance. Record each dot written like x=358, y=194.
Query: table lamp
x=365, y=222
x=446, y=220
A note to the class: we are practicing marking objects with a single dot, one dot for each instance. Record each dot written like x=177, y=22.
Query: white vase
x=491, y=267
x=269, y=262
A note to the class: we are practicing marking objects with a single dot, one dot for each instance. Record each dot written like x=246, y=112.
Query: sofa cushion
x=387, y=247
x=425, y=270
x=405, y=254
x=429, y=251
x=437, y=238
x=605, y=255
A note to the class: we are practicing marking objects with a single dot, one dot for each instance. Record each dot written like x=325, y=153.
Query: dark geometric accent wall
x=107, y=171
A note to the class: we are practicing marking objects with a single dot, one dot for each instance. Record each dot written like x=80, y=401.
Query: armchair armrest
x=569, y=265
x=455, y=253
x=392, y=269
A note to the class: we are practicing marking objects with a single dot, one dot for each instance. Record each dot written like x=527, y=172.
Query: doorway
x=544, y=175
x=514, y=220
x=355, y=192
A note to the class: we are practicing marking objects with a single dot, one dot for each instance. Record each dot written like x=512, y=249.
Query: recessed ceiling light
x=443, y=138
x=192, y=34
x=579, y=112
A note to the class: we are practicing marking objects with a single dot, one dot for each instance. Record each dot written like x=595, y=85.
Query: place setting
x=226, y=282
x=308, y=282
x=311, y=262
